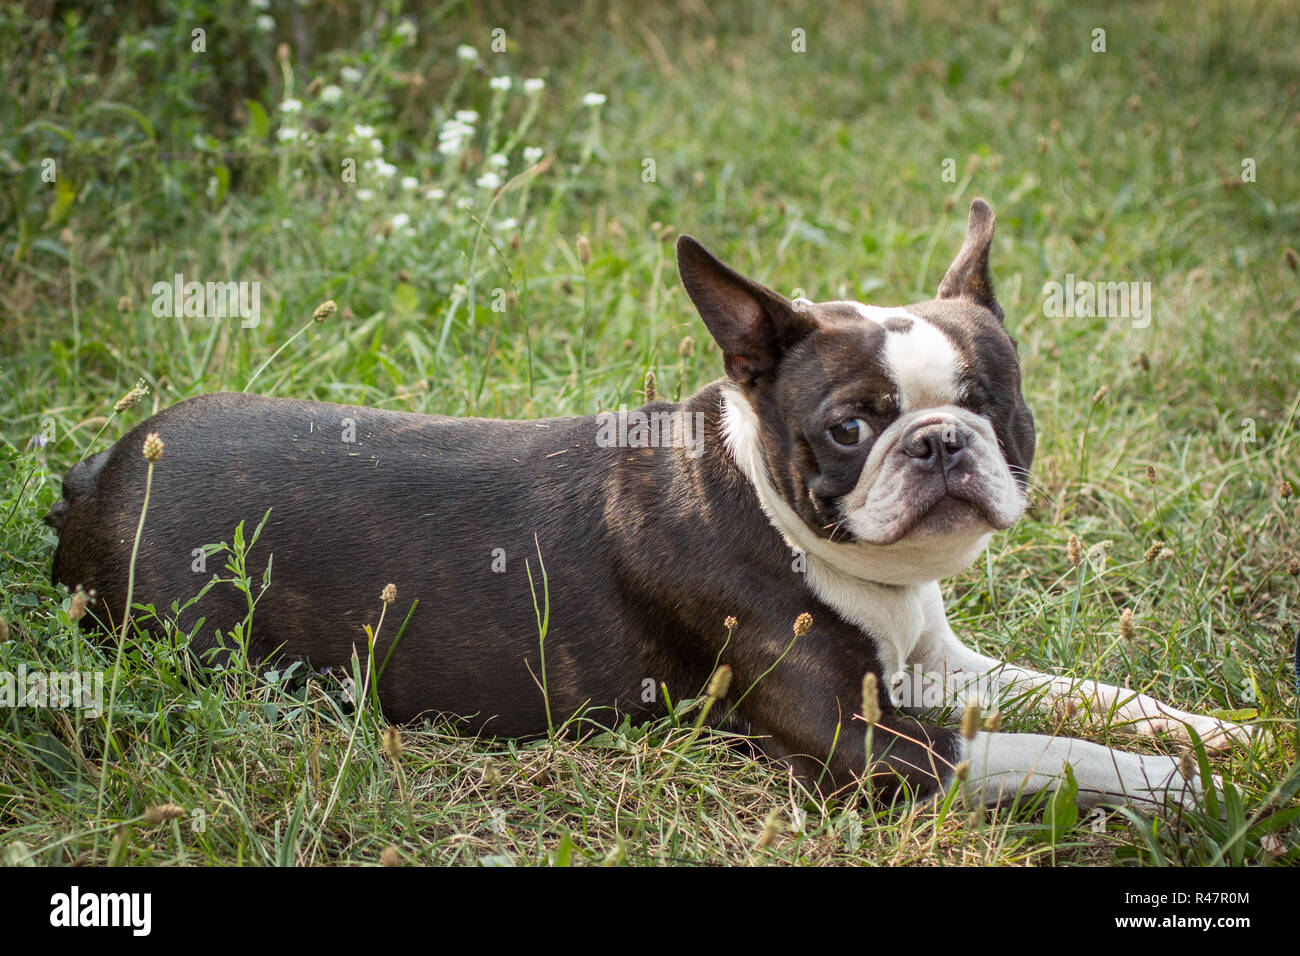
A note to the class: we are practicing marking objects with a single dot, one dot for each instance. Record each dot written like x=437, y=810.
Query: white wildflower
x=455, y=129
x=452, y=136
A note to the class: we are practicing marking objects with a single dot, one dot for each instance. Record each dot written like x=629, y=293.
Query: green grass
x=818, y=171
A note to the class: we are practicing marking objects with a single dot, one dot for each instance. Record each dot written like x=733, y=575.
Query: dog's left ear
x=968, y=277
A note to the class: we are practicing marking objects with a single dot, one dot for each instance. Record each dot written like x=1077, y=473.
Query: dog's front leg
x=1004, y=765
x=825, y=741
x=943, y=671
x=804, y=705
x=807, y=709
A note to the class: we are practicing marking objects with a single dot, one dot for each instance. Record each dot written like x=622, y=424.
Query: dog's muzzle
x=937, y=472
x=936, y=446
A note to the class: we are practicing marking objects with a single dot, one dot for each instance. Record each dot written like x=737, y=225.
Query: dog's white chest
x=893, y=616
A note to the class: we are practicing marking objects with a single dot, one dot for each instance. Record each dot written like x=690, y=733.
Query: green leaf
x=564, y=852
x=53, y=247
x=850, y=825
x=46, y=126
x=405, y=299
x=130, y=112
x=1238, y=715
x=1062, y=813
x=222, y=175
x=64, y=194
x=1236, y=822
x=53, y=754
x=1289, y=786
x=258, y=122
x=1208, y=795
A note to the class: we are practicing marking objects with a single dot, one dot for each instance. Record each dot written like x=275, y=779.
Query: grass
x=819, y=172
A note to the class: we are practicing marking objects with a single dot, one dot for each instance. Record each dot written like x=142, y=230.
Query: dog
x=852, y=457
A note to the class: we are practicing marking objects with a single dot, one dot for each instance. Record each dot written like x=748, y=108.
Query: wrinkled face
x=888, y=442
x=894, y=428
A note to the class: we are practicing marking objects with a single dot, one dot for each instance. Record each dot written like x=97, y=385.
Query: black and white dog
x=852, y=457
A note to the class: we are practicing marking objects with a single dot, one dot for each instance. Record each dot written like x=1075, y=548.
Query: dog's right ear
x=751, y=324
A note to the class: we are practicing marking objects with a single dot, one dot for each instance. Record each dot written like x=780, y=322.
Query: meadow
x=489, y=193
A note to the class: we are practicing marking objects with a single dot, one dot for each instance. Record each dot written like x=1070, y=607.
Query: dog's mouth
x=950, y=513
x=939, y=512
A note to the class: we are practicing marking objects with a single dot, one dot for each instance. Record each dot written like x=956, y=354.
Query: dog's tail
x=76, y=483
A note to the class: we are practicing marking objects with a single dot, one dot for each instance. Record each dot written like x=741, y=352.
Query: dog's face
x=889, y=442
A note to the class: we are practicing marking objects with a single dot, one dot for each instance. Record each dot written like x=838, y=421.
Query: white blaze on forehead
x=878, y=314
x=921, y=360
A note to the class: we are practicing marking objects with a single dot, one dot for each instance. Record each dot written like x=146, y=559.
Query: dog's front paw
x=1216, y=734
x=898, y=690
x=1219, y=734
x=1149, y=717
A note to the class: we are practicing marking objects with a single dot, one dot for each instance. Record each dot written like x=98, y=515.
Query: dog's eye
x=850, y=433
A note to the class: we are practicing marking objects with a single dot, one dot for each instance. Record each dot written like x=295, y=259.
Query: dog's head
x=889, y=442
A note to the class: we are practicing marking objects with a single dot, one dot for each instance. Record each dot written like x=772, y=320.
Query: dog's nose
x=935, y=445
